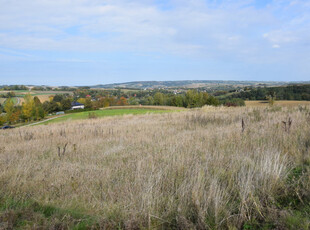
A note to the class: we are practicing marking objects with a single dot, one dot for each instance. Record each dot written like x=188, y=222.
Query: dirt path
x=39, y=122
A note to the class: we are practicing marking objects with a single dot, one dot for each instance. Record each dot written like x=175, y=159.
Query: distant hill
x=189, y=84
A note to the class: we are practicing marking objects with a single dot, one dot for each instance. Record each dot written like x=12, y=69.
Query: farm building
x=76, y=105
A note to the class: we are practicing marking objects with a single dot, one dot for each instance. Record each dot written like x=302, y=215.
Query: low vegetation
x=109, y=112
x=290, y=92
x=209, y=168
x=277, y=103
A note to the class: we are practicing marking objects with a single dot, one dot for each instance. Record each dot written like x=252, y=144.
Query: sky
x=89, y=42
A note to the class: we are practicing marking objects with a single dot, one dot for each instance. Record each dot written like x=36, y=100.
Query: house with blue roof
x=77, y=105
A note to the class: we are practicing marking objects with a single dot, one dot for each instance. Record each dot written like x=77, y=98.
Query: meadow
x=209, y=168
x=115, y=111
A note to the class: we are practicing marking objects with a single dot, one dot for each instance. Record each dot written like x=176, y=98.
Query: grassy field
x=118, y=111
x=2, y=100
x=278, y=103
x=42, y=95
x=14, y=99
x=152, y=107
x=196, y=169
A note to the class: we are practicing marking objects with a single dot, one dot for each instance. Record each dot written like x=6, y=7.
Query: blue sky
x=87, y=42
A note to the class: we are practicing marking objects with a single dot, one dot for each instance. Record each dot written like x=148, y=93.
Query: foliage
x=2, y=119
x=15, y=87
x=28, y=107
x=233, y=102
x=291, y=92
x=122, y=101
x=159, y=98
x=271, y=99
x=9, y=109
x=32, y=108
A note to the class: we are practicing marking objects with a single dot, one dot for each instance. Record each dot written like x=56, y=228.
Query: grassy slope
x=194, y=169
x=105, y=113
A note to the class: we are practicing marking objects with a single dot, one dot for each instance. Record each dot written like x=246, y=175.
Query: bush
x=92, y=115
x=234, y=102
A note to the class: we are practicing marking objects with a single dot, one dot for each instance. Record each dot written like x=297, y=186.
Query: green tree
x=212, y=101
x=65, y=104
x=271, y=99
x=158, y=98
x=58, y=98
x=133, y=101
x=150, y=100
x=38, y=109
x=9, y=109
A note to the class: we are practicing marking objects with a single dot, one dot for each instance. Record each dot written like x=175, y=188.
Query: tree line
x=31, y=109
x=291, y=92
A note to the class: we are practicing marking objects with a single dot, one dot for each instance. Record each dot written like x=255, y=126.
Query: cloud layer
x=252, y=32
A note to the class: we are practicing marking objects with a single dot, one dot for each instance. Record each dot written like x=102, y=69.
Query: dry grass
x=277, y=103
x=187, y=170
x=44, y=98
x=2, y=100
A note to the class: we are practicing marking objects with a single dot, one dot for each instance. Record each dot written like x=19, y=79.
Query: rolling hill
x=190, y=84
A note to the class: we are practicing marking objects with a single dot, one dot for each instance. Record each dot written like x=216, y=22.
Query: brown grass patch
x=279, y=103
x=187, y=170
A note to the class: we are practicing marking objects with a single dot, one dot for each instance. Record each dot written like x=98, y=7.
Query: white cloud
x=231, y=29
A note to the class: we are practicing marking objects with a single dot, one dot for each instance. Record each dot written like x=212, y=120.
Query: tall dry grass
x=188, y=170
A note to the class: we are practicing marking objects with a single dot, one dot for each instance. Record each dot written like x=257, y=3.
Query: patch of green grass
x=14, y=99
x=255, y=225
x=298, y=220
x=105, y=113
x=26, y=214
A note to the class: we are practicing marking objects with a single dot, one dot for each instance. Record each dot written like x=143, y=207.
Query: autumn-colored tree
x=15, y=116
x=82, y=101
x=106, y=102
x=28, y=107
x=88, y=103
x=100, y=102
x=122, y=101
